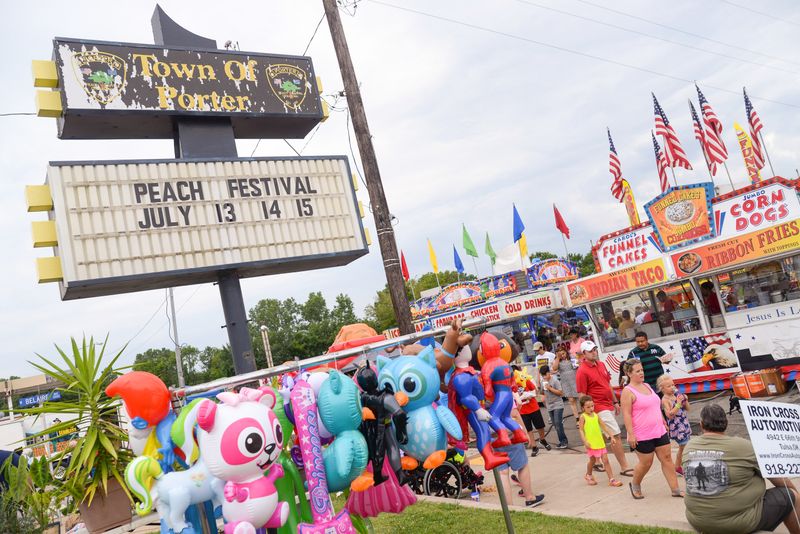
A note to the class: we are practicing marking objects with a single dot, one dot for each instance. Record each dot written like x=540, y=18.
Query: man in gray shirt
x=555, y=403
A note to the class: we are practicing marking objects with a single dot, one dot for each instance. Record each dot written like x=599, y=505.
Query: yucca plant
x=95, y=454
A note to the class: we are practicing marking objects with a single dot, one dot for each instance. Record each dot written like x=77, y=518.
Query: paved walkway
x=559, y=475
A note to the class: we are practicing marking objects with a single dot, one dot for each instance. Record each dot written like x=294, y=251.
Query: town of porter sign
x=118, y=90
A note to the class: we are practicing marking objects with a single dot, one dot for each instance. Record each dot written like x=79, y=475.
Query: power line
x=164, y=303
x=15, y=114
x=673, y=28
x=649, y=36
x=352, y=153
x=571, y=51
x=293, y=148
x=762, y=13
x=314, y=34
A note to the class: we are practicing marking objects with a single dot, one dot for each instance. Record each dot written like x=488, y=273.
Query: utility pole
x=267, y=348
x=377, y=198
x=178, y=360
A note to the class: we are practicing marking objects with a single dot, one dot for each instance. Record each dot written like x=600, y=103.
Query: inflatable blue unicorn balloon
x=428, y=424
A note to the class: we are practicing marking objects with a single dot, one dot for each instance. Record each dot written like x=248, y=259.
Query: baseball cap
x=588, y=346
x=538, y=345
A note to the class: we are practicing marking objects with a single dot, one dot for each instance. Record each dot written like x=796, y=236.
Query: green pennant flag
x=469, y=246
x=489, y=250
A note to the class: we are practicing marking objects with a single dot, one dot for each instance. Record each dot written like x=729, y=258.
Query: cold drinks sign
x=126, y=226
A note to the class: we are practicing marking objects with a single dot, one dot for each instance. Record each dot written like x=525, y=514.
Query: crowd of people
x=725, y=491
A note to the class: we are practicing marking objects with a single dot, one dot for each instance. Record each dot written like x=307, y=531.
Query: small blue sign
x=36, y=400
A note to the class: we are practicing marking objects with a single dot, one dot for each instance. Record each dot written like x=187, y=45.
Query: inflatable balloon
x=418, y=378
x=147, y=402
x=465, y=398
x=239, y=440
x=385, y=408
x=291, y=489
x=339, y=408
x=498, y=380
x=304, y=407
x=388, y=497
x=173, y=493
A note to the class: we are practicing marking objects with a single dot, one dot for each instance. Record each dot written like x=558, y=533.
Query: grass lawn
x=437, y=518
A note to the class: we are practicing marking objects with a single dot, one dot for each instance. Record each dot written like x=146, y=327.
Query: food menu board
x=626, y=280
x=729, y=252
x=682, y=215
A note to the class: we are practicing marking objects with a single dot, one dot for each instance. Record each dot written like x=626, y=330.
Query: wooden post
x=380, y=210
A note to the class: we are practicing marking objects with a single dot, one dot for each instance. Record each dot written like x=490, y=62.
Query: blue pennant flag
x=457, y=260
x=518, y=226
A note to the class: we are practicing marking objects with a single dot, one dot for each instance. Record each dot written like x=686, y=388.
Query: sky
x=472, y=104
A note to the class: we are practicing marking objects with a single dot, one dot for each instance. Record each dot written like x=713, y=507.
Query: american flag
x=674, y=155
x=613, y=363
x=702, y=137
x=614, y=168
x=694, y=348
x=755, y=128
x=661, y=165
x=715, y=148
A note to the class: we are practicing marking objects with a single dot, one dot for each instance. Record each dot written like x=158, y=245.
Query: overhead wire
x=685, y=32
x=572, y=51
x=655, y=37
x=762, y=13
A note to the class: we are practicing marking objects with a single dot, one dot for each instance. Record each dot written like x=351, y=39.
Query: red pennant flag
x=560, y=224
x=403, y=266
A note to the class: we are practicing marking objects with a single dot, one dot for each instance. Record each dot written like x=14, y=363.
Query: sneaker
x=546, y=445
x=535, y=502
x=562, y=446
x=535, y=452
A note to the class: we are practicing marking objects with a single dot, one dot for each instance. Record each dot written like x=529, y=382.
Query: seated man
x=725, y=492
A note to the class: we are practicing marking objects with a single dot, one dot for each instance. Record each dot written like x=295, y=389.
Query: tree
x=161, y=362
x=298, y=330
x=380, y=314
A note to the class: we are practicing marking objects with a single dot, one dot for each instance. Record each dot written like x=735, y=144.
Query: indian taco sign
x=129, y=226
x=626, y=280
x=135, y=83
x=682, y=215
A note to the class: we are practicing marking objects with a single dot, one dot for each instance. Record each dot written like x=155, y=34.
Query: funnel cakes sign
x=682, y=215
x=127, y=84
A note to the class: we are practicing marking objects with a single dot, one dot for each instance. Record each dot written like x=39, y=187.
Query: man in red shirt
x=594, y=380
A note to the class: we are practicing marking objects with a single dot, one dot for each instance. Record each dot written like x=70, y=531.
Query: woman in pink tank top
x=647, y=432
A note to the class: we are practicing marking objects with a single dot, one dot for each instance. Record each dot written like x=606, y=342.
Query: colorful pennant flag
x=466, y=241
x=615, y=169
x=715, y=148
x=674, y=155
x=432, y=255
x=700, y=135
x=560, y=224
x=630, y=203
x=457, y=260
x=661, y=165
x=404, y=267
x=747, y=147
x=755, y=127
x=489, y=250
x=519, y=227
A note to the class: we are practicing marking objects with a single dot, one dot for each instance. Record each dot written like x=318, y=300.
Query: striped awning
x=711, y=384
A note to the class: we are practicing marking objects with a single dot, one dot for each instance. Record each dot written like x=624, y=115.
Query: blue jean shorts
x=517, y=458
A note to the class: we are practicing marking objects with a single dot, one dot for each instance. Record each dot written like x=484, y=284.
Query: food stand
x=715, y=281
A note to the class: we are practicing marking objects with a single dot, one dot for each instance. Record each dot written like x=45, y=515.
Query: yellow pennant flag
x=523, y=247
x=746, y=145
x=432, y=254
x=630, y=203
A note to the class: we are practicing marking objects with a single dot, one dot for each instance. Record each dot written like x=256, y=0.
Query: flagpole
x=411, y=286
x=764, y=146
x=475, y=264
x=675, y=180
x=564, y=240
x=729, y=175
x=437, y=279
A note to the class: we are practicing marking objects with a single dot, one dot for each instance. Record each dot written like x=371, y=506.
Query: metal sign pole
x=197, y=137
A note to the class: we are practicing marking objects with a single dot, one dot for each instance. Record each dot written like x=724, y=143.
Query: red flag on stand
x=404, y=267
x=560, y=224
